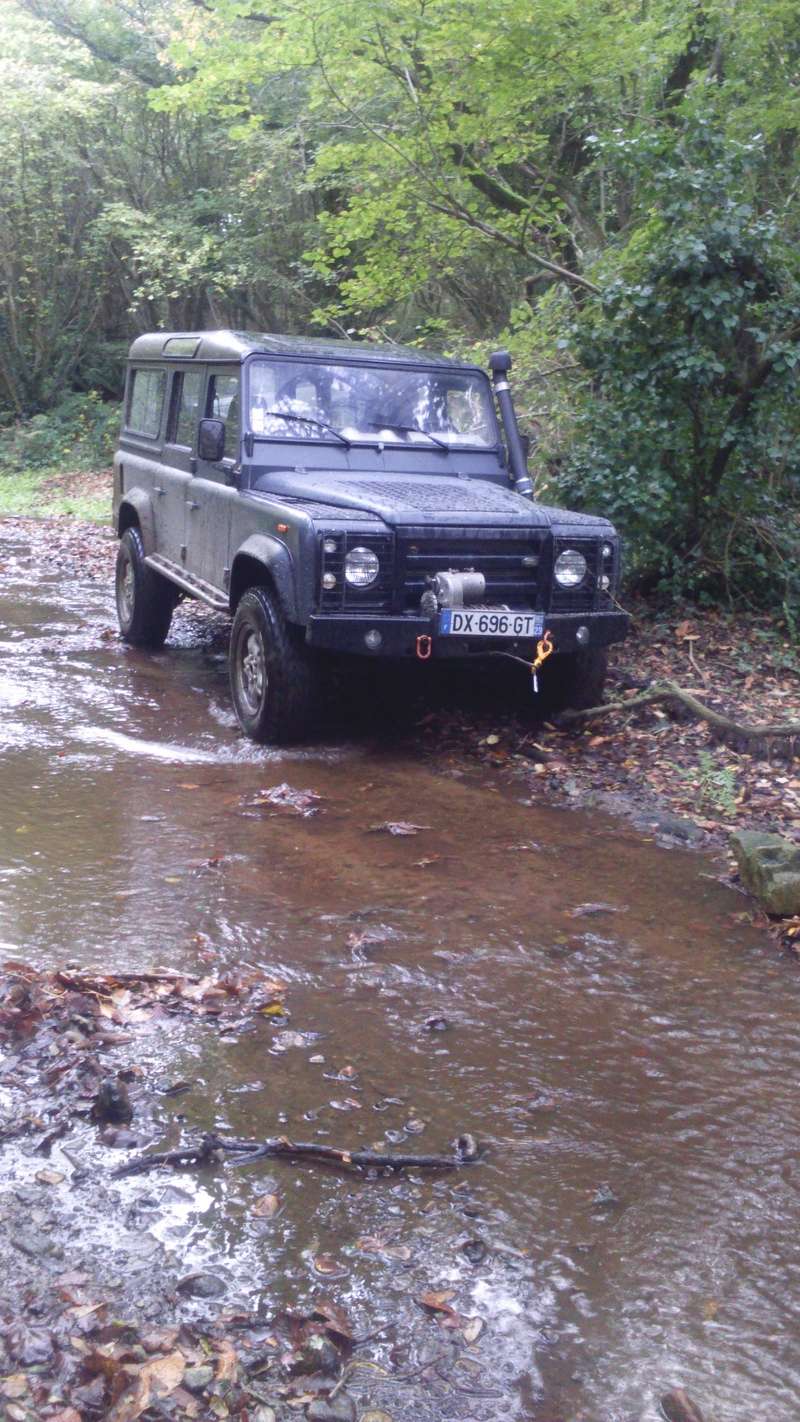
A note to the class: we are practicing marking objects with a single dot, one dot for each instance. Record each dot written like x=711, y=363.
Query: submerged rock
x=112, y=1104
x=335, y=1409
x=677, y=1406
x=201, y=1285
x=770, y=869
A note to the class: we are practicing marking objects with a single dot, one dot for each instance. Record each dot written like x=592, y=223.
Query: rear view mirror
x=211, y=440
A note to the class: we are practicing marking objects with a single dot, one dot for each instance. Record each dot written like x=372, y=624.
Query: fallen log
x=211, y=1150
x=669, y=691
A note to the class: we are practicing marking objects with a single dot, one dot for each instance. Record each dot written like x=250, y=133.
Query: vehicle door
x=178, y=461
x=210, y=495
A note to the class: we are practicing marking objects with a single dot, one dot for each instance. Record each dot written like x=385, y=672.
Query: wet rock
x=677, y=1406
x=34, y=1245
x=675, y=827
x=335, y=1409
x=120, y=1138
x=475, y=1250
x=436, y=1024
x=770, y=869
x=542, y=1102
x=201, y=1286
x=316, y=1354
x=112, y=1104
x=196, y=1379
x=28, y=1194
x=466, y=1147
x=605, y=1199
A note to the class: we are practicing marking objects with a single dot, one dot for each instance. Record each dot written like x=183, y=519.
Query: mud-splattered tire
x=145, y=599
x=275, y=678
x=576, y=681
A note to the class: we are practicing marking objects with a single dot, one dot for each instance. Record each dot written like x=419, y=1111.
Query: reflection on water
x=631, y=1068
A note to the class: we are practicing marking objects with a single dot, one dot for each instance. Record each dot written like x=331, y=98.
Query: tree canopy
x=609, y=188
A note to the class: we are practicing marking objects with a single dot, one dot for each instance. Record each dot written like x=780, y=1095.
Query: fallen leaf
x=334, y=1317
x=302, y=802
x=273, y=1009
x=267, y=1206
x=15, y=1385
x=326, y=1264
x=438, y=1300
x=397, y=827
x=472, y=1329
x=152, y=1381
x=227, y=1363
x=589, y=910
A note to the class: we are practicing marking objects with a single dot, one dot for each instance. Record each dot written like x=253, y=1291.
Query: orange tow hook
x=424, y=647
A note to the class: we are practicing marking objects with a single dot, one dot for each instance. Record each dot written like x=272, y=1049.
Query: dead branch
x=667, y=691
x=211, y=1149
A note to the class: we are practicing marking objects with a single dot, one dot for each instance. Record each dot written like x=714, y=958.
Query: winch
x=452, y=589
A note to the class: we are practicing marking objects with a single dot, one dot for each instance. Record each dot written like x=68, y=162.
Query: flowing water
x=631, y=1067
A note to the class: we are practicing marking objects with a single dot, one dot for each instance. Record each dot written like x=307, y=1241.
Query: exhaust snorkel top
x=500, y=364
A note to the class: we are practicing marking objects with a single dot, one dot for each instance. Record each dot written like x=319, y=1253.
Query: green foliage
x=716, y=787
x=688, y=431
x=78, y=433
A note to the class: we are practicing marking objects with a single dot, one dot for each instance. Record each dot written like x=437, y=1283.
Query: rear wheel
x=275, y=678
x=575, y=681
x=145, y=599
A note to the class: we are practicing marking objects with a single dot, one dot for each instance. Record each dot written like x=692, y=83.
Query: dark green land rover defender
x=352, y=499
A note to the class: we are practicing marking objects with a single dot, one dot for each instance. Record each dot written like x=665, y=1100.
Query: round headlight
x=361, y=567
x=570, y=568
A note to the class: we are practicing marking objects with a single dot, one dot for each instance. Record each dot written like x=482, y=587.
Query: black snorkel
x=500, y=364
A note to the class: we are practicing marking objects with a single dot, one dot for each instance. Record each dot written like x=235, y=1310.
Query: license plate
x=489, y=622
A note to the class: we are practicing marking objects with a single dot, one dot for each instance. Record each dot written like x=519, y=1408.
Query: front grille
x=377, y=597
x=585, y=597
x=508, y=559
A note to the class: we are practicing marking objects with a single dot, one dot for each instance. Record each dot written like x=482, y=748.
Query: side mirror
x=211, y=440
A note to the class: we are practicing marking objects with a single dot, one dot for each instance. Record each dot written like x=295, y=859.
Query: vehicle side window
x=186, y=397
x=146, y=401
x=222, y=403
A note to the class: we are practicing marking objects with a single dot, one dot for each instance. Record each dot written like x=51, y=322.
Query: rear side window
x=186, y=406
x=146, y=401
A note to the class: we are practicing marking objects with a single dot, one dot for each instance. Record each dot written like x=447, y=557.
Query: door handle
x=191, y=505
x=158, y=490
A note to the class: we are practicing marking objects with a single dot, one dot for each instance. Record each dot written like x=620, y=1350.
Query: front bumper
x=343, y=633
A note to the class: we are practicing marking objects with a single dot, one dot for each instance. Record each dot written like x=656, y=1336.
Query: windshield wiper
x=409, y=429
x=307, y=420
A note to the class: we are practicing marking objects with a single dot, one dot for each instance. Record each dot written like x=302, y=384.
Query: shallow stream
x=593, y=1008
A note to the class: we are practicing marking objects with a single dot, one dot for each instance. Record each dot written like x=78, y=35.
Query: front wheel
x=145, y=599
x=575, y=681
x=274, y=676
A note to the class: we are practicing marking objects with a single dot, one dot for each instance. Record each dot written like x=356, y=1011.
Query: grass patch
x=45, y=493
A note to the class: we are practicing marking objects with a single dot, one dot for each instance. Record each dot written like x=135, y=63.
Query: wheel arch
x=136, y=511
x=264, y=562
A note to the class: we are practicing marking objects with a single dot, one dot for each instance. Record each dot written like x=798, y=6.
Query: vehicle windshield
x=369, y=403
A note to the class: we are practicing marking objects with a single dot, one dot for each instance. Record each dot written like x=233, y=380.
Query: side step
x=196, y=587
